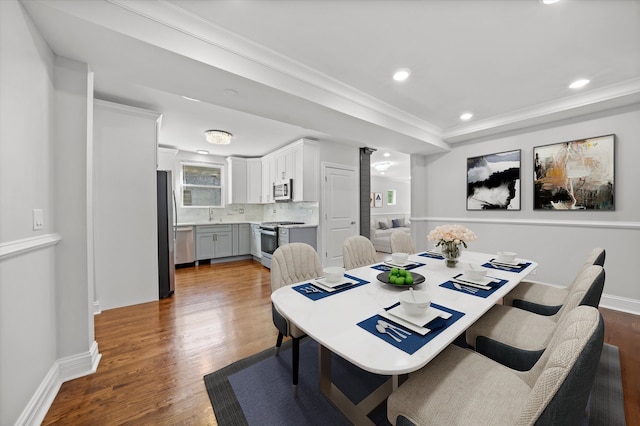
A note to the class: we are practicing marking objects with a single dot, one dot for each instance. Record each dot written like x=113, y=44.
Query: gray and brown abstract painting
x=575, y=175
x=493, y=181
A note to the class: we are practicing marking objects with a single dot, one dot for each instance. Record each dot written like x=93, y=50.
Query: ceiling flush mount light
x=202, y=151
x=579, y=83
x=386, y=154
x=466, y=116
x=402, y=74
x=218, y=137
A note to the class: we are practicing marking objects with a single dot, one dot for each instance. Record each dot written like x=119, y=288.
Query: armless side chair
x=290, y=264
x=545, y=299
x=462, y=387
x=401, y=242
x=358, y=251
x=517, y=338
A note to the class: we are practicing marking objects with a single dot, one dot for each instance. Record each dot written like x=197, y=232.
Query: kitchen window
x=202, y=185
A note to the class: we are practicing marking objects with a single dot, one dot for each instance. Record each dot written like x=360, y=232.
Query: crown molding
x=609, y=97
x=248, y=59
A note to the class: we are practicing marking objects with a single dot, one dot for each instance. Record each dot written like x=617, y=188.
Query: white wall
x=126, y=240
x=558, y=240
x=44, y=310
x=403, y=195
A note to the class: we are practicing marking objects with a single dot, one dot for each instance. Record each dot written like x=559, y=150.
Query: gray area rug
x=257, y=390
x=606, y=404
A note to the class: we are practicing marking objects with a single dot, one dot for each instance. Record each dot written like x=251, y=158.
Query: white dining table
x=333, y=322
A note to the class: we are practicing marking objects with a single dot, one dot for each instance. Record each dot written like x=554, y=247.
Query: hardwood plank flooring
x=154, y=355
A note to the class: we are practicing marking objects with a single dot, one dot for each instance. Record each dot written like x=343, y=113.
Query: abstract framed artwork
x=493, y=181
x=575, y=175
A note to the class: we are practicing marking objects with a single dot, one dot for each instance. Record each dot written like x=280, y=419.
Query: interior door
x=340, y=210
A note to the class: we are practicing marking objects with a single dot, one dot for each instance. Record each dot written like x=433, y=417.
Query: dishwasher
x=185, y=247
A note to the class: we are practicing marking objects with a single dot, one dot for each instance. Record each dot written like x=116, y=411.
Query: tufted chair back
x=358, y=251
x=401, y=242
x=292, y=263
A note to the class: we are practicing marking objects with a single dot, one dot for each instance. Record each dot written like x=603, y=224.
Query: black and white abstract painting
x=493, y=181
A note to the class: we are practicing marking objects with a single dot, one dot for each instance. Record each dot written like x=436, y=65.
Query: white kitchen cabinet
x=268, y=172
x=284, y=164
x=254, y=180
x=255, y=241
x=237, y=180
x=306, y=174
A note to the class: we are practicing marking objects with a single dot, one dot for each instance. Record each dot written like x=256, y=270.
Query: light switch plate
x=38, y=219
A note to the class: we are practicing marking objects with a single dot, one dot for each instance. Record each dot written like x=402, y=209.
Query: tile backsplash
x=306, y=212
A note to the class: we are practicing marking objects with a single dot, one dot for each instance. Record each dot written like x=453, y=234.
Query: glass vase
x=451, y=253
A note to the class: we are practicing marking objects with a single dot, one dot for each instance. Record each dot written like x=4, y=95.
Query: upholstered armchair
x=517, y=338
x=462, y=387
x=290, y=264
x=545, y=299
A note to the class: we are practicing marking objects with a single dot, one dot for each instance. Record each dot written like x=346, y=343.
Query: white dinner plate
x=399, y=265
x=326, y=285
x=515, y=263
x=485, y=281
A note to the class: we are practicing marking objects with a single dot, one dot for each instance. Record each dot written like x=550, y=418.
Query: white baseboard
x=62, y=370
x=618, y=303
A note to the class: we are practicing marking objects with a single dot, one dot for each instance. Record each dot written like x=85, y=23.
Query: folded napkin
x=505, y=267
x=480, y=292
x=432, y=255
x=385, y=267
x=322, y=292
x=413, y=342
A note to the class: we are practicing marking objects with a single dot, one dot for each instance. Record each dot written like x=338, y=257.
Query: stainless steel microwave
x=283, y=190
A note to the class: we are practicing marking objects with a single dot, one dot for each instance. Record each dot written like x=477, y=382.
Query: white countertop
x=236, y=222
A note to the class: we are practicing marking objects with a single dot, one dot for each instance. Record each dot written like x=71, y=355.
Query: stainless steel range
x=269, y=239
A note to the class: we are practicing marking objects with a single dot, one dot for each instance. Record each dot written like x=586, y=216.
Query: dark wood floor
x=154, y=355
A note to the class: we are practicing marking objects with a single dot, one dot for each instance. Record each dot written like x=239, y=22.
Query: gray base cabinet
x=241, y=239
x=214, y=241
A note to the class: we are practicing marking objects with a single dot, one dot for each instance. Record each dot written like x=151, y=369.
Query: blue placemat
x=384, y=267
x=432, y=255
x=315, y=292
x=480, y=293
x=414, y=341
x=519, y=268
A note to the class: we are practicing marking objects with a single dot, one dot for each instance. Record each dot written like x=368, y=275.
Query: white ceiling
x=322, y=69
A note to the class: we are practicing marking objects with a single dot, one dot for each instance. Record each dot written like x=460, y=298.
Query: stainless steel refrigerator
x=166, y=234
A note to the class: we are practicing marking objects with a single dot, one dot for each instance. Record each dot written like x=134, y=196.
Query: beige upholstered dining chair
x=290, y=264
x=401, y=242
x=517, y=338
x=462, y=387
x=545, y=299
x=358, y=251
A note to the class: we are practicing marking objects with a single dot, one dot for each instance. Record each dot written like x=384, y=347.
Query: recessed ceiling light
x=402, y=74
x=381, y=167
x=579, y=83
x=386, y=154
x=466, y=116
x=202, y=151
x=548, y=1
x=231, y=92
x=191, y=99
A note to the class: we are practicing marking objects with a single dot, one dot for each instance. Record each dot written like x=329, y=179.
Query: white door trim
x=324, y=165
